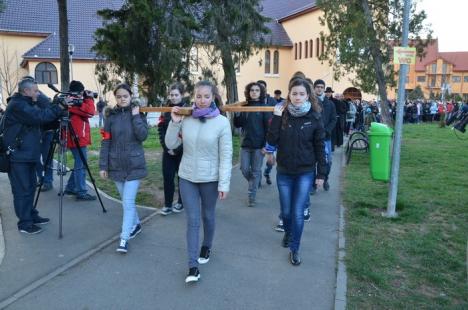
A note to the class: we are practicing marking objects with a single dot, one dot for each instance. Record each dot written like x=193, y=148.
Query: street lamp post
x=71, y=50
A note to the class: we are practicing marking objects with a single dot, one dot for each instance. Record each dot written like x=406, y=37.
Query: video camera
x=459, y=119
x=66, y=99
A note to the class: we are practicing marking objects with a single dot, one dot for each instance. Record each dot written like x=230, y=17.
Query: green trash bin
x=380, y=137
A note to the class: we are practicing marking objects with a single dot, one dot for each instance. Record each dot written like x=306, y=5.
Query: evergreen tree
x=234, y=29
x=149, y=38
x=360, y=37
x=416, y=94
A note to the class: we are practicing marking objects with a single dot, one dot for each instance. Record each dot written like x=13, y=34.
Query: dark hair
x=123, y=86
x=179, y=86
x=277, y=92
x=249, y=86
x=262, y=82
x=299, y=74
x=312, y=98
x=319, y=82
x=214, y=90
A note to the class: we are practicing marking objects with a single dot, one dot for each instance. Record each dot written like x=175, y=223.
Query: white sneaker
x=177, y=207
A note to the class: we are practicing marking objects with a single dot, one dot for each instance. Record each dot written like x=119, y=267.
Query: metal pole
x=392, y=197
x=71, y=67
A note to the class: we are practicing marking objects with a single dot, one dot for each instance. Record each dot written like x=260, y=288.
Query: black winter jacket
x=299, y=142
x=22, y=112
x=163, y=123
x=254, y=126
x=328, y=116
x=122, y=154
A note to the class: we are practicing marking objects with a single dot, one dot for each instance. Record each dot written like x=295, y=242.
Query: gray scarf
x=298, y=111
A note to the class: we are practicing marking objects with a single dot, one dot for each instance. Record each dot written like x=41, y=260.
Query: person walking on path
x=171, y=157
x=254, y=129
x=297, y=133
x=269, y=101
x=122, y=158
x=205, y=169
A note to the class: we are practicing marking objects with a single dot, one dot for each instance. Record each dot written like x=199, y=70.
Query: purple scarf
x=203, y=114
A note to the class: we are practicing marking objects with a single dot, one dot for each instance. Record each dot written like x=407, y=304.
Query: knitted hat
x=76, y=86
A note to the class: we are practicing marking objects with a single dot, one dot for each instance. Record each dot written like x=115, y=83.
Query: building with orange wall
x=437, y=71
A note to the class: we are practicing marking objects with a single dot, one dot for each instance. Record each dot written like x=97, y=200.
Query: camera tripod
x=61, y=138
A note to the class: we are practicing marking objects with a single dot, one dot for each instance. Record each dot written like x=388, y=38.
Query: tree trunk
x=64, y=57
x=377, y=56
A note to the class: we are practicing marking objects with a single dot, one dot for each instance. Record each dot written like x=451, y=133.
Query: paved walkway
x=249, y=269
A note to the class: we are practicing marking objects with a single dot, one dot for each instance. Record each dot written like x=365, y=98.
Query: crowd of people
x=299, y=137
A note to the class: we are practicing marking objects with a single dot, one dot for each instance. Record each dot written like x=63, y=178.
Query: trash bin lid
x=378, y=129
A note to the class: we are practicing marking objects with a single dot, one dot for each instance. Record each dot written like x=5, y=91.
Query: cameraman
x=22, y=133
x=79, y=121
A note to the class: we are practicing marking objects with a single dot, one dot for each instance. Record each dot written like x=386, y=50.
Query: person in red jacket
x=79, y=121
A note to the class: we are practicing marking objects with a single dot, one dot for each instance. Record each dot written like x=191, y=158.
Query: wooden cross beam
x=235, y=107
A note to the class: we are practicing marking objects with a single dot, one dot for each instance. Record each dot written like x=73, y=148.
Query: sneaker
x=204, y=255
x=268, y=179
x=31, y=230
x=177, y=208
x=41, y=220
x=251, y=202
x=326, y=186
x=306, y=215
x=136, y=230
x=280, y=226
x=193, y=275
x=166, y=211
x=286, y=240
x=85, y=197
x=123, y=246
x=294, y=258
x=46, y=187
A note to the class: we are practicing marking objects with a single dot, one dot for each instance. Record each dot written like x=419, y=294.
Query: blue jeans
x=46, y=176
x=251, y=161
x=77, y=181
x=128, y=191
x=101, y=119
x=293, y=193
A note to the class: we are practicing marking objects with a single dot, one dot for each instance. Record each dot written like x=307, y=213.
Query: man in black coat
x=340, y=107
x=22, y=133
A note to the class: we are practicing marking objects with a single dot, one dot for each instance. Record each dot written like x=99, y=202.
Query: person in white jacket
x=205, y=169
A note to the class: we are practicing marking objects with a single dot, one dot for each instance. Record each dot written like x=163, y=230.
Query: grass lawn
x=418, y=260
x=151, y=188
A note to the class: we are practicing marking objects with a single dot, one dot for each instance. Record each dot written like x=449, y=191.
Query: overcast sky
x=447, y=18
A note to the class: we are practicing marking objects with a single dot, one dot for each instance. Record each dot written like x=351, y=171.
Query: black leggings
x=170, y=166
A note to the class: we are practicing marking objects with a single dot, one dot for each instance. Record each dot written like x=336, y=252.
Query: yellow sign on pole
x=404, y=55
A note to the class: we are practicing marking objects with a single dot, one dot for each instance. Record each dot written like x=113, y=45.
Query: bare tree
x=10, y=71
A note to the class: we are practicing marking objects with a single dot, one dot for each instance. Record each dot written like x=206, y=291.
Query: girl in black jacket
x=122, y=158
x=297, y=132
x=171, y=157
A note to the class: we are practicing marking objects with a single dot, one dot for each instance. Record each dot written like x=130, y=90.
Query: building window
x=300, y=50
x=267, y=62
x=317, y=47
x=193, y=61
x=465, y=79
x=456, y=79
x=295, y=51
x=276, y=62
x=306, y=49
x=433, y=81
x=444, y=68
x=46, y=73
x=407, y=79
x=421, y=79
x=311, y=48
x=434, y=68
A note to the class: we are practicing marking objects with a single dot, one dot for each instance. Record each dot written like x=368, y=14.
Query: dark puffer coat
x=122, y=154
